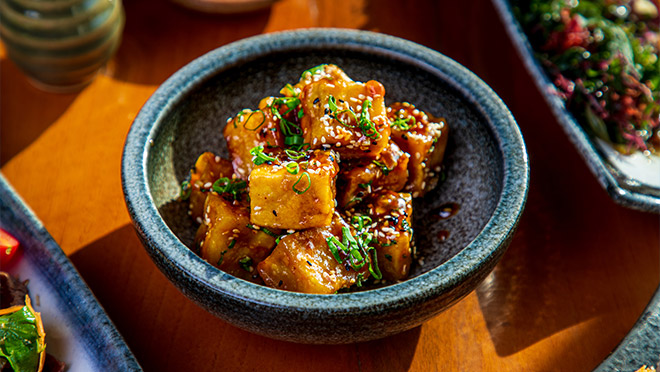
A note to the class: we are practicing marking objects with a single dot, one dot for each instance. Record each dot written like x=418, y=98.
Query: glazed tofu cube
x=389, y=171
x=303, y=262
x=422, y=136
x=297, y=194
x=342, y=114
x=227, y=240
x=392, y=213
x=249, y=129
x=208, y=169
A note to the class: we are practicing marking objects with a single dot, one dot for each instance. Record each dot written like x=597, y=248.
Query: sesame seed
x=198, y=219
x=256, y=208
x=361, y=96
x=208, y=185
x=236, y=231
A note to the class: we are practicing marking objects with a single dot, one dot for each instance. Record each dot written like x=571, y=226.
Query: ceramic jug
x=61, y=44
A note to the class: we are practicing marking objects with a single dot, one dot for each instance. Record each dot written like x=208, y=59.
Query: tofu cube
x=342, y=114
x=303, y=262
x=356, y=181
x=392, y=213
x=297, y=194
x=249, y=129
x=422, y=136
x=208, y=169
x=227, y=240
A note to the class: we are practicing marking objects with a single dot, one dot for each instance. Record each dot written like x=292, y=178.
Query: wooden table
x=578, y=273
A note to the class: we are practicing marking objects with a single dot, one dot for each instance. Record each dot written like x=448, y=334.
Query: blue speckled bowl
x=486, y=165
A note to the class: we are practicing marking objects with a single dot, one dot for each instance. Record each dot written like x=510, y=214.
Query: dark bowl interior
x=486, y=182
x=473, y=164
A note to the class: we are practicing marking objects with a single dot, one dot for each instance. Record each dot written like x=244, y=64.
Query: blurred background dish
x=78, y=331
x=61, y=45
x=632, y=180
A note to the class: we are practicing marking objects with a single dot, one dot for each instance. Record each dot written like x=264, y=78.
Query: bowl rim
x=489, y=244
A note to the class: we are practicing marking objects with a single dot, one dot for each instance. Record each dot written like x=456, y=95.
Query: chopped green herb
x=186, y=190
x=258, y=156
x=269, y=232
x=366, y=125
x=246, y=263
x=242, y=112
x=235, y=187
x=309, y=183
x=383, y=167
x=402, y=123
x=295, y=155
x=222, y=257
x=292, y=167
x=359, y=280
x=312, y=71
x=365, y=185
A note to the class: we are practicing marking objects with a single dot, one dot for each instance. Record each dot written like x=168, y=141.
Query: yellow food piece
x=302, y=262
x=321, y=130
x=425, y=141
x=280, y=199
x=392, y=213
x=226, y=222
x=388, y=171
x=249, y=129
x=208, y=168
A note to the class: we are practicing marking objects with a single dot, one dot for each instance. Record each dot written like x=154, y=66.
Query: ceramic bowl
x=486, y=167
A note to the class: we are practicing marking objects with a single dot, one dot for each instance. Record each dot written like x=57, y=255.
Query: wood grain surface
x=579, y=271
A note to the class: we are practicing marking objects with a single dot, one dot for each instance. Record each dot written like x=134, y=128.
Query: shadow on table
x=558, y=272
x=22, y=103
x=164, y=36
x=168, y=332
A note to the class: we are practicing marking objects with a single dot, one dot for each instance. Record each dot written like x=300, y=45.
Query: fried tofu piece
x=342, y=114
x=249, y=129
x=208, y=169
x=303, y=262
x=392, y=214
x=227, y=240
x=389, y=171
x=422, y=136
x=297, y=194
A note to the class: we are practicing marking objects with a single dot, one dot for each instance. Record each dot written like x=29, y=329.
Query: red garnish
x=8, y=246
